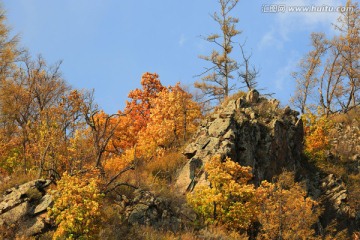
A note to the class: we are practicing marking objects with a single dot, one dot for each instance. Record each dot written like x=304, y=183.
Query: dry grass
x=235, y=96
x=165, y=167
x=213, y=233
x=17, y=179
x=354, y=191
x=160, y=170
x=221, y=233
x=346, y=118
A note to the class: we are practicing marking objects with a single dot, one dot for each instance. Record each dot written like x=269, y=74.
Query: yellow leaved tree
x=285, y=210
x=317, y=141
x=76, y=208
x=229, y=200
x=282, y=209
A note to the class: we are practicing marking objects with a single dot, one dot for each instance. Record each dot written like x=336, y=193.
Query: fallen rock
x=14, y=214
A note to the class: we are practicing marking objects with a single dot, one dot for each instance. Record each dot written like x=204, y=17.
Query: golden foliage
x=138, y=109
x=282, y=209
x=316, y=135
x=76, y=208
x=174, y=117
x=285, y=210
x=229, y=200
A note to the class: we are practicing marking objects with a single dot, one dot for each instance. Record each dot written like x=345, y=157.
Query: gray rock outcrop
x=334, y=191
x=147, y=209
x=24, y=208
x=250, y=130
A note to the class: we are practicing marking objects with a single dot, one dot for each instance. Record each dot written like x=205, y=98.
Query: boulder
x=147, y=209
x=45, y=202
x=252, y=96
x=334, y=192
x=23, y=207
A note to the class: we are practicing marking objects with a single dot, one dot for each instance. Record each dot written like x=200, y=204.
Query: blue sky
x=107, y=45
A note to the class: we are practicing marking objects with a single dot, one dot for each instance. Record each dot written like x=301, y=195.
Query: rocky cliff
x=256, y=132
x=250, y=130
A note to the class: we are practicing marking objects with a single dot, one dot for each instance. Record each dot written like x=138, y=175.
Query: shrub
x=316, y=136
x=229, y=200
x=285, y=211
x=76, y=208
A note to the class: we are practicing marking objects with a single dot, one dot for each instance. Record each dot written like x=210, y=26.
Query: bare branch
x=131, y=167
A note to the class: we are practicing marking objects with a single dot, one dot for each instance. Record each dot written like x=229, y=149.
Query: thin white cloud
x=288, y=22
x=269, y=39
x=182, y=40
x=283, y=74
x=293, y=21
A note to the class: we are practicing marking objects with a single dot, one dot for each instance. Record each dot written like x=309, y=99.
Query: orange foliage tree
x=137, y=110
x=156, y=118
x=173, y=118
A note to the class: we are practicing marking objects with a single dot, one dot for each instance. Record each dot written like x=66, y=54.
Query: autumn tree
x=102, y=127
x=75, y=136
x=216, y=82
x=229, y=200
x=285, y=210
x=174, y=117
x=306, y=77
x=28, y=99
x=9, y=50
x=156, y=117
x=8, y=55
x=137, y=110
x=170, y=120
x=42, y=117
x=76, y=209
x=317, y=140
x=349, y=46
x=61, y=142
x=329, y=75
